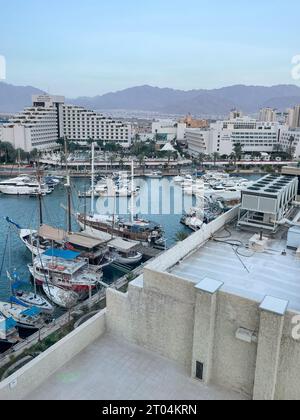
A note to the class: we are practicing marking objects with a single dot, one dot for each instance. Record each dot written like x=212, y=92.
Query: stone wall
x=28, y=378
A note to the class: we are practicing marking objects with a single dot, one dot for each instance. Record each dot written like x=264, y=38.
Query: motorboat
x=125, y=251
x=23, y=185
x=178, y=179
x=154, y=175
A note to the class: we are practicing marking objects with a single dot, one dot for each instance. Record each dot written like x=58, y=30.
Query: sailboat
x=27, y=299
x=48, y=237
x=111, y=226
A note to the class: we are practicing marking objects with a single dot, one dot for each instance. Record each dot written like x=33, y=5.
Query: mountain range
x=201, y=102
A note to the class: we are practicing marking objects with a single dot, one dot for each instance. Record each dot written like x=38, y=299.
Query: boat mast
x=132, y=189
x=32, y=257
x=68, y=188
x=19, y=160
x=40, y=194
x=9, y=261
x=93, y=178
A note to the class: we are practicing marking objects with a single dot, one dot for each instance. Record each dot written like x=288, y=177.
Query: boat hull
x=81, y=288
x=129, y=260
x=64, y=298
x=5, y=345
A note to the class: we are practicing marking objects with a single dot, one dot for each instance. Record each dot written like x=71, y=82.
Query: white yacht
x=154, y=175
x=23, y=185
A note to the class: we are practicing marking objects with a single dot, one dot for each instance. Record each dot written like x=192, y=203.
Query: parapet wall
x=31, y=376
x=171, y=316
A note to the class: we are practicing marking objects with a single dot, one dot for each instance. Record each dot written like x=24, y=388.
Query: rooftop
x=226, y=258
x=111, y=369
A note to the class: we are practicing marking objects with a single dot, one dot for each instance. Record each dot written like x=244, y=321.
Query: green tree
x=141, y=159
x=181, y=236
x=216, y=157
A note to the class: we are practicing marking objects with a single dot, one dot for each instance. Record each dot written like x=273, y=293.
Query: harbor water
x=23, y=210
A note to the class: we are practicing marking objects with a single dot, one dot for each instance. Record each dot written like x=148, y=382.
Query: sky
x=85, y=48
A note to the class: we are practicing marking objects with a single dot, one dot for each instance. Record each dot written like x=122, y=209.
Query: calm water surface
x=24, y=211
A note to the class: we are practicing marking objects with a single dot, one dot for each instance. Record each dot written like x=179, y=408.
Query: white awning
x=122, y=245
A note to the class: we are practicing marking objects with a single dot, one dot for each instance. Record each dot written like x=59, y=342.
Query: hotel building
x=49, y=118
x=254, y=136
x=38, y=126
x=81, y=124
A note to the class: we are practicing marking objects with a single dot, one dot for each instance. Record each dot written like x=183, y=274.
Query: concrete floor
x=111, y=369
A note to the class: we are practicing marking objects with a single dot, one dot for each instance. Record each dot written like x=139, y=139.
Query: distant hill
x=15, y=98
x=169, y=101
x=200, y=102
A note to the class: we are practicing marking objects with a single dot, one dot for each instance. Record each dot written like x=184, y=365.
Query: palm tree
x=216, y=157
x=121, y=163
x=291, y=147
x=112, y=160
x=141, y=159
x=237, y=152
x=201, y=158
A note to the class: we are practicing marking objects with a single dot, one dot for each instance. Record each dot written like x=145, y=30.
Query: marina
x=24, y=210
x=61, y=259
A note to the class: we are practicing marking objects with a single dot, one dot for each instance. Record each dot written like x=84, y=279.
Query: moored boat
x=65, y=269
x=64, y=298
x=23, y=185
x=125, y=252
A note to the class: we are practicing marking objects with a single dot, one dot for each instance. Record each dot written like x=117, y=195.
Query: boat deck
x=60, y=265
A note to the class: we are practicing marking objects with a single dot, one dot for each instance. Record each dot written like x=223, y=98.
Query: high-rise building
x=293, y=119
x=81, y=124
x=267, y=115
x=38, y=126
x=252, y=135
x=49, y=118
x=296, y=117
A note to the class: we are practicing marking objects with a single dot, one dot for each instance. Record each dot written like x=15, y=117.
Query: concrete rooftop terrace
x=111, y=369
x=252, y=275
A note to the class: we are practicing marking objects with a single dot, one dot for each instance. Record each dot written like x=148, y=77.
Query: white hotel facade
x=81, y=124
x=254, y=136
x=49, y=118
